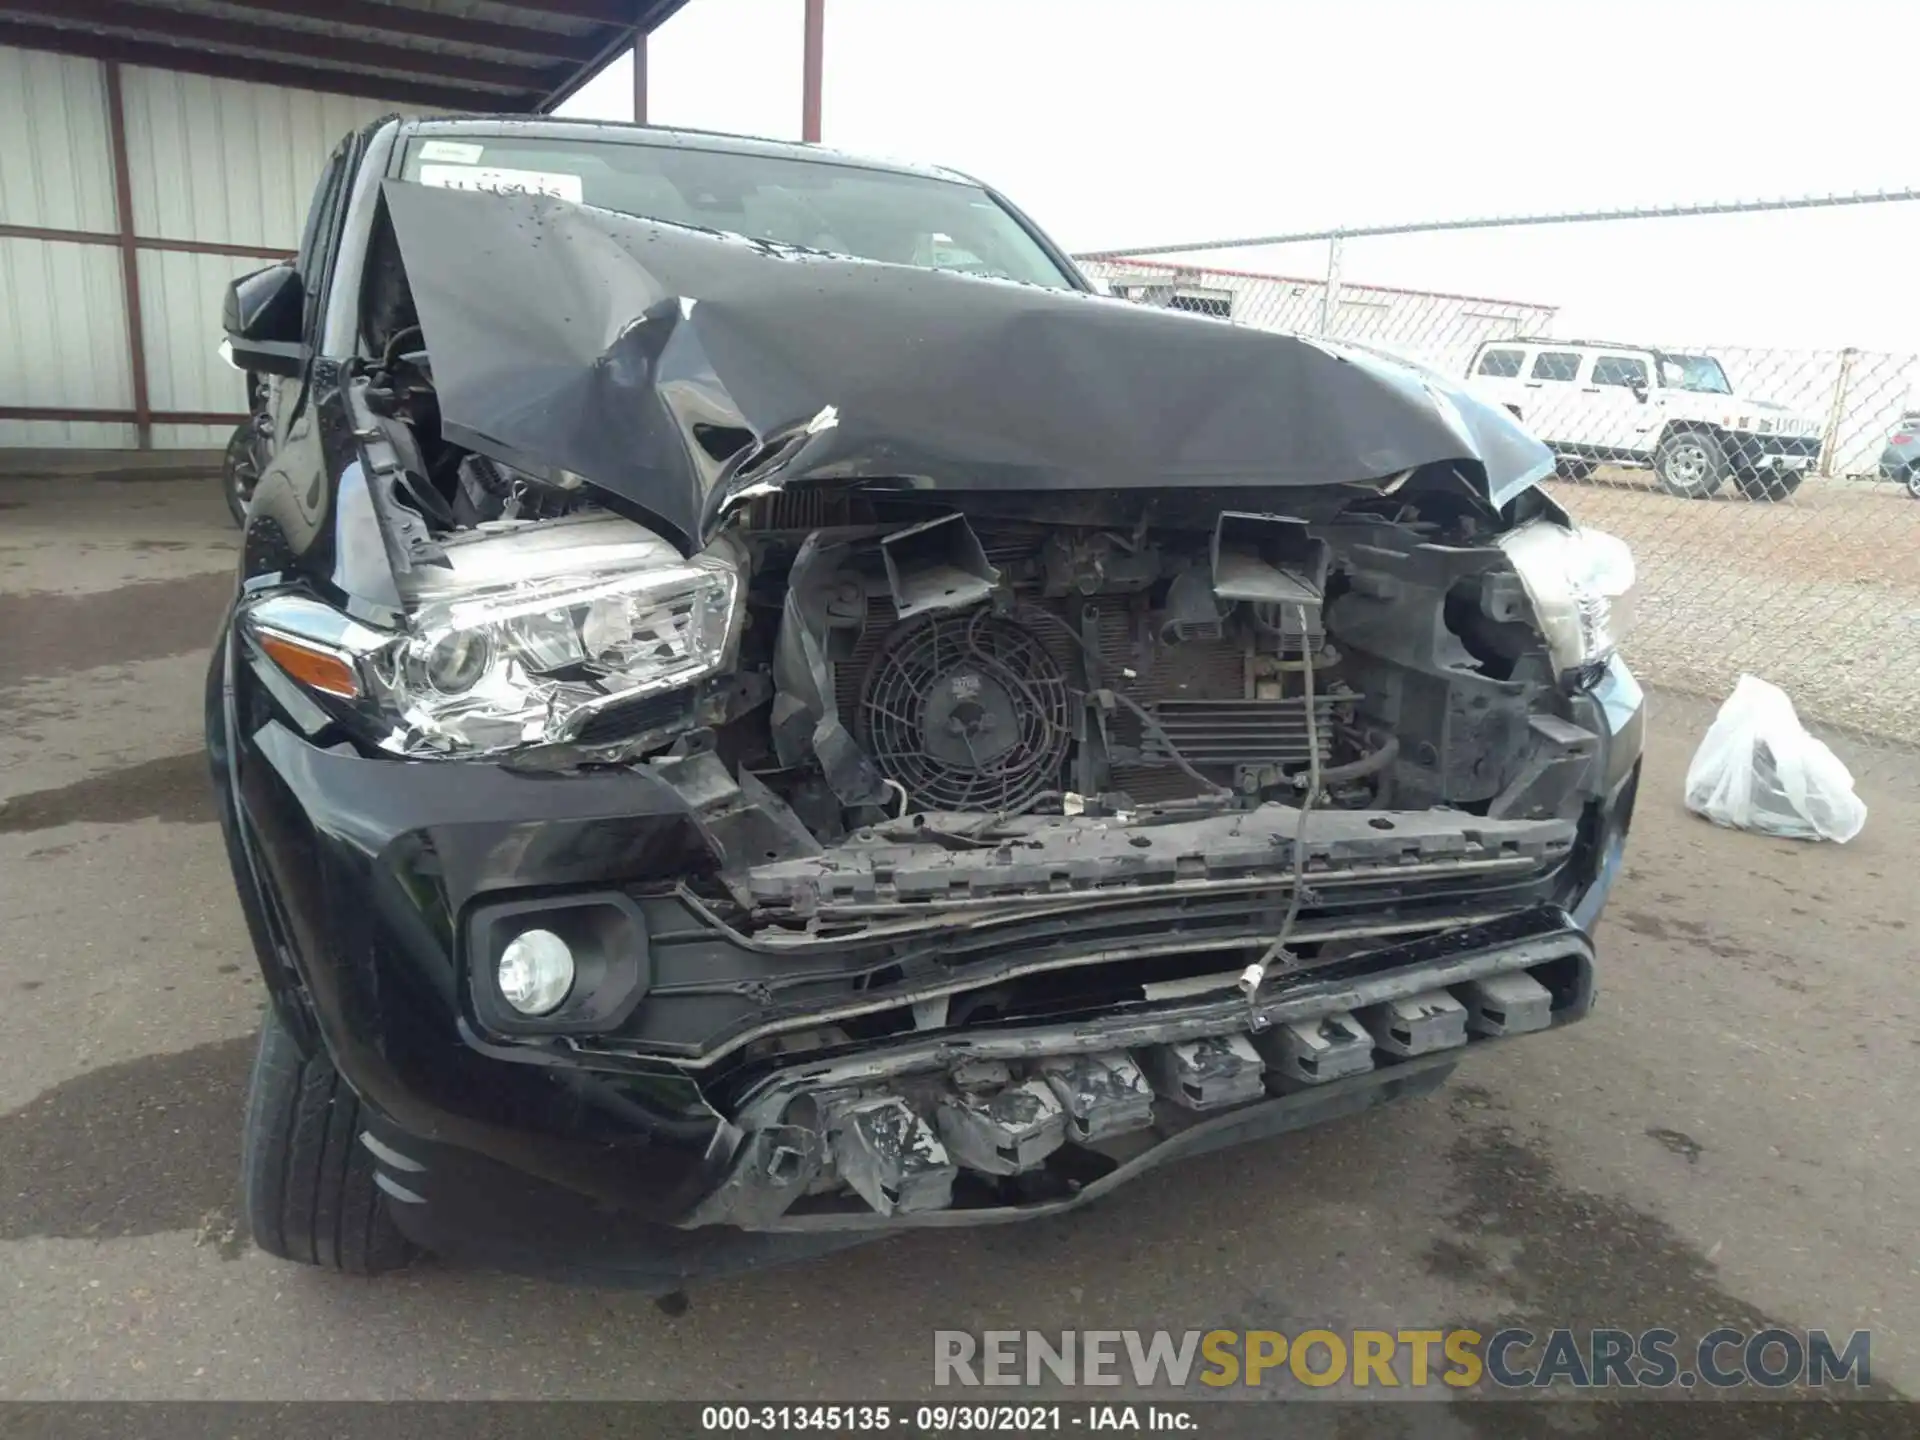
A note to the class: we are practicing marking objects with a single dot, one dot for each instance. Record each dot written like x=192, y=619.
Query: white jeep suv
x=1597, y=403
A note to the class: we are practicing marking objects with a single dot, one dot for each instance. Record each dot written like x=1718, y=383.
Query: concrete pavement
x=1729, y=1139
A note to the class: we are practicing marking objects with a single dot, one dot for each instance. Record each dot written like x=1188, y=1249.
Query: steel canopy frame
x=525, y=62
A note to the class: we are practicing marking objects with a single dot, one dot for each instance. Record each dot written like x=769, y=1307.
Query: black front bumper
x=466, y=1205
x=578, y=1156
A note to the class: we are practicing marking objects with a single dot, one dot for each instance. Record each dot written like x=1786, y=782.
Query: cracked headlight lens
x=1581, y=584
x=531, y=662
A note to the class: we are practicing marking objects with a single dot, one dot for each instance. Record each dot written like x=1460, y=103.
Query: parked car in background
x=1596, y=403
x=1900, y=461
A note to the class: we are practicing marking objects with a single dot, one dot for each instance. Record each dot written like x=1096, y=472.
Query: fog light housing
x=535, y=972
x=563, y=965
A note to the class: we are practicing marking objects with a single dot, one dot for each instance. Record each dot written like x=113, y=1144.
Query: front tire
x=308, y=1181
x=1770, y=484
x=240, y=472
x=1691, y=464
x=1913, y=481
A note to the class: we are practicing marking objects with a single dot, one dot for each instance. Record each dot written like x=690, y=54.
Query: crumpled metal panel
x=1103, y=1094
x=1002, y=1131
x=889, y=1155
x=682, y=370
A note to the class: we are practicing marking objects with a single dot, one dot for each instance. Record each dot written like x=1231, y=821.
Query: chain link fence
x=1771, y=494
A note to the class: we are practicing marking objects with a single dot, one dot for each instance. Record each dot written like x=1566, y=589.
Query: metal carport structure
x=150, y=150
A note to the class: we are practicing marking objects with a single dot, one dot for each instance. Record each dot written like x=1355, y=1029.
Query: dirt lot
x=1820, y=595
x=1728, y=1139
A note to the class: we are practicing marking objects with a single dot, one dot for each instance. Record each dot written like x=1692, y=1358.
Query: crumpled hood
x=678, y=370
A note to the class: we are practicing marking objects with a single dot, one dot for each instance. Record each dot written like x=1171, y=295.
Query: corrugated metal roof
x=486, y=55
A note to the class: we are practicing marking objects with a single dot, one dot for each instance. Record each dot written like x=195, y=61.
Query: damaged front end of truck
x=753, y=740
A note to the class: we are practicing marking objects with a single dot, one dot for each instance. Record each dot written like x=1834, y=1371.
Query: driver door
x=1618, y=396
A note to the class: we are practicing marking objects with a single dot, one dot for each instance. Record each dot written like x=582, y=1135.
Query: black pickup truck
x=760, y=711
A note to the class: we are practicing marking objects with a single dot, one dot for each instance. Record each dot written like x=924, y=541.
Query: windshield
x=1694, y=372
x=815, y=204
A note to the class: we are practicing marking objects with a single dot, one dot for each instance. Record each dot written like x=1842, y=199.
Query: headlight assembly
x=1581, y=584
x=532, y=663
x=523, y=644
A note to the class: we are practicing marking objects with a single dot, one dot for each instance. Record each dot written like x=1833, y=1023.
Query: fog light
x=536, y=972
x=558, y=965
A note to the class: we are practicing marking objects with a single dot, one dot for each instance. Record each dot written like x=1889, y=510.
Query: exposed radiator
x=1216, y=735
x=1193, y=689
x=1242, y=732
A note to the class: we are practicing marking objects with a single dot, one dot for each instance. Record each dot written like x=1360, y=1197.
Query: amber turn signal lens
x=316, y=668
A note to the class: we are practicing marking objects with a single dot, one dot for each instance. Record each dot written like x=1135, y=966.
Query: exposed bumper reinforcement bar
x=1257, y=1121
x=1222, y=1072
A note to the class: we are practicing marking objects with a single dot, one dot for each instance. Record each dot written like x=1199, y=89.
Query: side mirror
x=1640, y=391
x=263, y=317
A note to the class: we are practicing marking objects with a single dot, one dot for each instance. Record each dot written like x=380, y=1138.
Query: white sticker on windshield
x=502, y=181
x=458, y=151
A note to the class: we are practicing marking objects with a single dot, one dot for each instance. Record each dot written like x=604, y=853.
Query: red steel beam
x=213, y=247
x=434, y=25
x=639, y=79
x=139, y=22
x=67, y=237
x=116, y=49
x=129, y=255
x=143, y=242
x=813, y=53
x=637, y=18
x=120, y=417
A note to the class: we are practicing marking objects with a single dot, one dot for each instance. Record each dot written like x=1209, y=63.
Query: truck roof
x=1569, y=344
x=549, y=127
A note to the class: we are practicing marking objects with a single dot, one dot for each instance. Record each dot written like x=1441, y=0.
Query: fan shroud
x=966, y=712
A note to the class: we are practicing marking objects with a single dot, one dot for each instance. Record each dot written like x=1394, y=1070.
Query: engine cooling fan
x=966, y=712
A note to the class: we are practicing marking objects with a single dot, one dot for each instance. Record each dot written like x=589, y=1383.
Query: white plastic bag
x=1759, y=769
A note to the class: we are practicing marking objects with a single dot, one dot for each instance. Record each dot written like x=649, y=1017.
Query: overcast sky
x=1118, y=122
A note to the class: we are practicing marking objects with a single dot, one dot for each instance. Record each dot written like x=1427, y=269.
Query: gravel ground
x=1820, y=595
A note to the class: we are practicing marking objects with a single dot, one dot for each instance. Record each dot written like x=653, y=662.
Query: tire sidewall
x=1713, y=452
x=239, y=463
x=308, y=1186
x=1771, y=486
